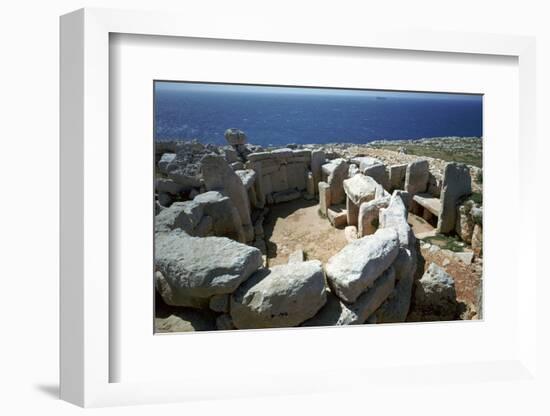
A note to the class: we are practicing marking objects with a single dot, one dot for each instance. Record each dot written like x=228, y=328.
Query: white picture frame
x=85, y=212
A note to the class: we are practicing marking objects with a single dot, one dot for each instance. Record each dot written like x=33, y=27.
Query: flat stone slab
x=429, y=202
x=360, y=188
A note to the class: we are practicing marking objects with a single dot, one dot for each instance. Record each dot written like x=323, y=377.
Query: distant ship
x=381, y=98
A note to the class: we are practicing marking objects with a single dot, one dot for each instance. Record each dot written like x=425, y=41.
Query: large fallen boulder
x=435, y=295
x=357, y=266
x=203, y=267
x=283, y=296
x=336, y=312
x=218, y=176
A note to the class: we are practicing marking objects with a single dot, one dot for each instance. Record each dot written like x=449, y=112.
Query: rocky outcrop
x=203, y=267
x=282, y=296
x=356, y=267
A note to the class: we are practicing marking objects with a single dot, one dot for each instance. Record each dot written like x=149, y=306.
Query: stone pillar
x=317, y=161
x=310, y=184
x=352, y=211
x=324, y=197
x=456, y=184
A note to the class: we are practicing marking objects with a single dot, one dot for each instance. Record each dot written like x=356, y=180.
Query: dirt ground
x=297, y=224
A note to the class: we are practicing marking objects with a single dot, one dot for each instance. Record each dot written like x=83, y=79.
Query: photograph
x=280, y=206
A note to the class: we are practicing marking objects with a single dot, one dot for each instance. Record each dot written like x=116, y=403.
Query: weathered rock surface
x=183, y=215
x=317, y=160
x=435, y=294
x=397, y=176
x=324, y=198
x=360, y=188
x=368, y=216
x=336, y=312
x=177, y=298
x=219, y=303
x=396, y=307
x=477, y=240
x=375, y=169
x=218, y=176
x=185, y=169
x=351, y=233
x=296, y=256
x=165, y=160
x=226, y=221
x=235, y=137
x=169, y=186
x=417, y=176
x=203, y=267
x=456, y=184
x=337, y=217
x=337, y=172
x=395, y=216
x=356, y=267
x=282, y=296
x=464, y=224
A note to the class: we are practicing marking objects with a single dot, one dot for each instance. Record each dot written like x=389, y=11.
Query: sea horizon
x=276, y=116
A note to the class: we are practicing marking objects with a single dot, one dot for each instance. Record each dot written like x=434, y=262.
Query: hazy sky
x=255, y=89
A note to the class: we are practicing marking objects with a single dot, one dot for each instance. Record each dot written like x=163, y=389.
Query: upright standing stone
x=338, y=172
x=368, y=218
x=456, y=184
x=324, y=197
x=218, y=176
x=317, y=161
x=397, y=177
x=417, y=177
x=310, y=184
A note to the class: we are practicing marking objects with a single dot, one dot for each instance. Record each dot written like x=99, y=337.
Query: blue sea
x=276, y=116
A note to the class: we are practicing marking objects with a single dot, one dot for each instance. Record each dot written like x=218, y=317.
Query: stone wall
x=281, y=175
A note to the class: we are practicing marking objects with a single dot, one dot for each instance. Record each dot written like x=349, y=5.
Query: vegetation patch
x=452, y=243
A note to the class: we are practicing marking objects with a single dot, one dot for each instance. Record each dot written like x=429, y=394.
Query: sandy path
x=297, y=224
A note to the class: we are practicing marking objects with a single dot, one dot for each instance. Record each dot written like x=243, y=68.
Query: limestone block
x=417, y=176
x=324, y=197
x=456, y=184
